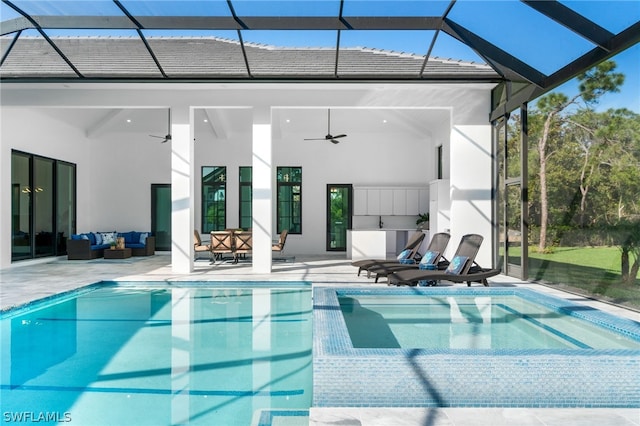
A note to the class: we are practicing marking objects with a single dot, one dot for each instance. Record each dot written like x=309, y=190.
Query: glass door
x=43, y=205
x=161, y=215
x=339, y=213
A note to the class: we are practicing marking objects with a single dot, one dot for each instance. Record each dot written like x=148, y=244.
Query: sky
x=533, y=38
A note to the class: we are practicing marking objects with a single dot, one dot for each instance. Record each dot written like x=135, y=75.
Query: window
x=214, y=204
x=289, y=202
x=246, y=178
x=440, y=172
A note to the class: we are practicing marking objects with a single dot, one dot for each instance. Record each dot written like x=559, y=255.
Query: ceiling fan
x=166, y=137
x=329, y=137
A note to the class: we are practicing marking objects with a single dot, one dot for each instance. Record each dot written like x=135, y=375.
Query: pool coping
x=64, y=295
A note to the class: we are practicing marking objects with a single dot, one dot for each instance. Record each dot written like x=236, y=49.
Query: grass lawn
x=592, y=271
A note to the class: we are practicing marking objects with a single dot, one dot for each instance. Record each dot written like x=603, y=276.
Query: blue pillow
x=457, y=265
x=135, y=237
x=128, y=237
x=404, y=254
x=429, y=257
x=98, y=237
x=143, y=237
x=90, y=237
x=77, y=237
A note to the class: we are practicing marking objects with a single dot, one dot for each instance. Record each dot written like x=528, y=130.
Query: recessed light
x=288, y=121
x=128, y=120
x=205, y=120
x=384, y=121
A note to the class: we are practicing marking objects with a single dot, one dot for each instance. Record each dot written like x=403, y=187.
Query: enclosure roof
x=542, y=43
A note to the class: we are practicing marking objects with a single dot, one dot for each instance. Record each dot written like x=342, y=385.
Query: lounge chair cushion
x=404, y=254
x=428, y=259
x=457, y=265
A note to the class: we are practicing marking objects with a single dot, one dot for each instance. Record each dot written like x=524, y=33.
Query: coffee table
x=124, y=253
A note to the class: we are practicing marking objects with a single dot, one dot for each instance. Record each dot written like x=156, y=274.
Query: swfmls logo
x=35, y=417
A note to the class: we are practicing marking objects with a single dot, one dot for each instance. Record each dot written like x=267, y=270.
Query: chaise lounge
x=462, y=268
x=432, y=256
x=410, y=251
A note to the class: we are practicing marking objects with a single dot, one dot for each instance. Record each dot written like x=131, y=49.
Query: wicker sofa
x=91, y=245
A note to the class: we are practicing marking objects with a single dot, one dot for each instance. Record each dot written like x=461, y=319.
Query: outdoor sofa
x=91, y=245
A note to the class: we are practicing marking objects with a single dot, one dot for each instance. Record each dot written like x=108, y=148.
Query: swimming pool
x=470, y=322
x=466, y=368
x=153, y=353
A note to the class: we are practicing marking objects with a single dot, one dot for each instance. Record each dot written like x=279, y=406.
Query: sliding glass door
x=43, y=205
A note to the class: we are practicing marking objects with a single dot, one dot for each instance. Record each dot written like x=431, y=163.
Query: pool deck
x=33, y=280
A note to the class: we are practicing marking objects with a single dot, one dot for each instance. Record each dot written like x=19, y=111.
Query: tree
x=593, y=84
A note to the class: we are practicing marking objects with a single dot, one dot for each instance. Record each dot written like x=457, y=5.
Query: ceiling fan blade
x=339, y=136
x=316, y=139
x=334, y=141
x=165, y=138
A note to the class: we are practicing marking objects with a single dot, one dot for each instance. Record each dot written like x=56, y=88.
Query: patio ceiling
x=537, y=45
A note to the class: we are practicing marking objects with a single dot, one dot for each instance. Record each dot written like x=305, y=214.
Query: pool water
x=469, y=322
x=469, y=347
x=163, y=354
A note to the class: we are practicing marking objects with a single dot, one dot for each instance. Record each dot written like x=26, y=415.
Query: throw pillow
x=404, y=254
x=98, y=238
x=429, y=257
x=457, y=265
x=108, y=237
x=143, y=237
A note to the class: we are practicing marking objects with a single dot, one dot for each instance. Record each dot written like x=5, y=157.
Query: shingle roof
x=212, y=58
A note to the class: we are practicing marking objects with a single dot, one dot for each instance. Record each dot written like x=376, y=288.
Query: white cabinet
x=386, y=202
x=390, y=201
x=373, y=202
x=359, y=202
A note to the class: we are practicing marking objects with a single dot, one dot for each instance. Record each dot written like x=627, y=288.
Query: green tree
x=593, y=84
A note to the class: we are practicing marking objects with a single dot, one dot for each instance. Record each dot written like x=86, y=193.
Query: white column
x=471, y=185
x=182, y=190
x=262, y=201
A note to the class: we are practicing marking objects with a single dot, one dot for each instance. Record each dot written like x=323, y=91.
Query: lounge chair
x=432, y=256
x=462, y=268
x=410, y=249
x=243, y=244
x=199, y=246
x=221, y=244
